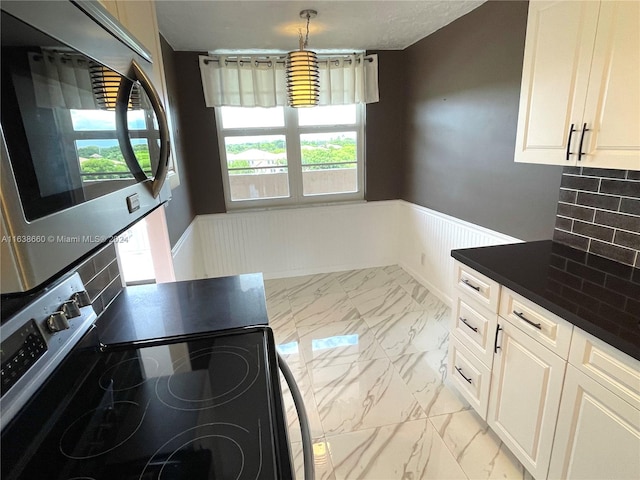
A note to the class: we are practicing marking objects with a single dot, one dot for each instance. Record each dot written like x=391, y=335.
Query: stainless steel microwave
x=84, y=137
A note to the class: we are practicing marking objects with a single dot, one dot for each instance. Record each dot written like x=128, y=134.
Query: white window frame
x=292, y=131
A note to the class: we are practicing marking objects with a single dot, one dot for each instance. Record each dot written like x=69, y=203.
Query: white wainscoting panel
x=283, y=243
x=187, y=254
x=300, y=241
x=427, y=240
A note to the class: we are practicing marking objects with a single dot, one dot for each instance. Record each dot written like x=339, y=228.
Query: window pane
x=257, y=167
x=103, y=120
x=101, y=159
x=329, y=163
x=242, y=117
x=328, y=115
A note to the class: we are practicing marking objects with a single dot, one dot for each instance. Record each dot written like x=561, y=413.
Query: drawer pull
x=464, y=320
x=522, y=317
x=459, y=370
x=466, y=282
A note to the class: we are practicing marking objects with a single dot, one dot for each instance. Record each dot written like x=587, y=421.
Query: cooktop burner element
x=225, y=438
x=198, y=409
x=234, y=369
x=119, y=377
x=101, y=430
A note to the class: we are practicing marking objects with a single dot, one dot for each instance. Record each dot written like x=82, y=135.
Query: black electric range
x=201, y=406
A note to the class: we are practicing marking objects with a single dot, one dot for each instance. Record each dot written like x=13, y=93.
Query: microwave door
x=143, y=134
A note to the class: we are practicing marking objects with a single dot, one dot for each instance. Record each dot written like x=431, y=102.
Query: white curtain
x=243, y=82
x=261, y=81
x=61, y=81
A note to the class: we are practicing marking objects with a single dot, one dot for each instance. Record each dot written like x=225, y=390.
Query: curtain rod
x=283, y=61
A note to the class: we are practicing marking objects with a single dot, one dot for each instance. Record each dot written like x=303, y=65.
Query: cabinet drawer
x=477, y=286
x=607, y=365
x=475, y=326
x=547, y=328
x=470, y=376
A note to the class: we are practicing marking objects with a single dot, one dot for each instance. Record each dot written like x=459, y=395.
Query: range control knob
x=57, y=322
x=71, y=309
x=81, y=298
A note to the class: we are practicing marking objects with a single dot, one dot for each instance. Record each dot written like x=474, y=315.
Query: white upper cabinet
x=612, y=109
x=581, y=85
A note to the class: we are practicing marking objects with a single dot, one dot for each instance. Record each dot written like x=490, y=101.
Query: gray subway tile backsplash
x=625, y=188
x=593, y=231
x=603, y=173
x=101, y=277
x=620, y=254
x=627, y=239
x=605, y=202
x=575, y=241
x=577, y=182
x=577, y=212
x=599, y=212
x=629, y=205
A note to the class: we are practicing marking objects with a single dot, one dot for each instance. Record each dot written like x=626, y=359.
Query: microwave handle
x=123, y=130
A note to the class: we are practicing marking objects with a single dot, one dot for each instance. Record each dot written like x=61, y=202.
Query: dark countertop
x=598, y=295
x=148, y=312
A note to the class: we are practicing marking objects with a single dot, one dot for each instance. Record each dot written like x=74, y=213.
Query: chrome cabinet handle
x=571, y=130
x=521, y=316
x=584, y=129
x=123, y=130
x=464, y=320
x=459, y=370
x=466, y=282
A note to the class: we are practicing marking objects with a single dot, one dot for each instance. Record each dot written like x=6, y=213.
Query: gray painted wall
x=179, y=210
x=442, y=135
x=199, y=136
x=385, y=129
x=463, y=90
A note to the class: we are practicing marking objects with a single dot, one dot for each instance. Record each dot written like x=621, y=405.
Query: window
x=97, y=148
x=287, y=156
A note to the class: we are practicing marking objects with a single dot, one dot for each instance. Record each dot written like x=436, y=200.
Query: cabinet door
x=524, y=397
x=598, y=433
x=139, y=17
x=612, y=110
x=555, y=72
x=111, y=6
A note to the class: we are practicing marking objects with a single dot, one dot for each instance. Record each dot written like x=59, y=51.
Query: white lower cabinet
x=526, y=384
x=564, y=402
x=598, y=433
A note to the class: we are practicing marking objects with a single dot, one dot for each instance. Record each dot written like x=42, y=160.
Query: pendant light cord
x=306, y=40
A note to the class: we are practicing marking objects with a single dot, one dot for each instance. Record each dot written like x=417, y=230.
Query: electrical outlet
x=423, y=258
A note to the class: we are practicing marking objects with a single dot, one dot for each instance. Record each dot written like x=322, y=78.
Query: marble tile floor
x=368, y=349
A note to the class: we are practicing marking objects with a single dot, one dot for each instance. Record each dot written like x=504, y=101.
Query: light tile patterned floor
x=369, y=351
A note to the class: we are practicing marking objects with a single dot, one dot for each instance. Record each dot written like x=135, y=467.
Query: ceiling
x=239, y=25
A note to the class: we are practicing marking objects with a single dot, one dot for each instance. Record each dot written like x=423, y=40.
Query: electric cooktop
x=209, y=407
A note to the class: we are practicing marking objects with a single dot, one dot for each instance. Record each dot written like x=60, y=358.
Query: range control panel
x=37, y=338
x=19, y=352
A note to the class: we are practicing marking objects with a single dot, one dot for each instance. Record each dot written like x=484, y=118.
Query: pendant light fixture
x=105, y=84
x=303, y=79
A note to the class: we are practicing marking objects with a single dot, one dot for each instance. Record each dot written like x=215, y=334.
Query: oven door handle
x=122, y=128
x=307, y=442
